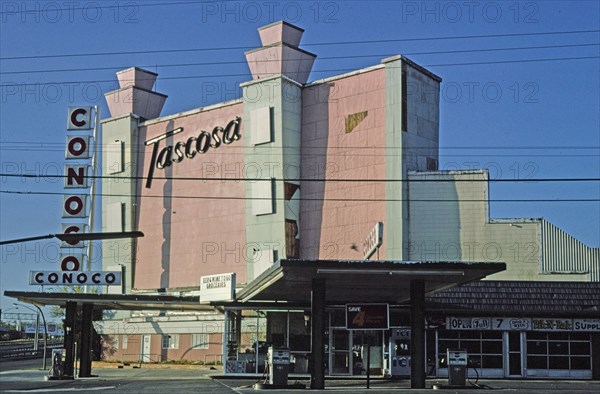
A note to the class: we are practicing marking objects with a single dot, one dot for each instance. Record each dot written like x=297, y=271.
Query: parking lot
x=187, y=379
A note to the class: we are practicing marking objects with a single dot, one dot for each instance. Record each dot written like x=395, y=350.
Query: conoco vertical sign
x=75, y=209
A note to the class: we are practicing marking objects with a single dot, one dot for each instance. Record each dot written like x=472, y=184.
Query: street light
x=75, y=237
x=39, y=310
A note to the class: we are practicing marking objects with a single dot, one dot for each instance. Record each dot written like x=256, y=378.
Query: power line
x=315, y=71
x=314, y=155
x=358, y=180
x=97, y=6
x=582, y=200
x=347, y=152
x=445, y=38
x=513, y=61
x=284, y=60
x=470, y=147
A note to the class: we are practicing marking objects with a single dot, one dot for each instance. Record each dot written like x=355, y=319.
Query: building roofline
x=119, y=117
x=413, y=65
x=516, y=220
x=270, y=77
x=447, y=172
x=281, y=23
x=135, y=87
x=276, y=44
x=150, y=122
x=136, y=68
x=345, y=75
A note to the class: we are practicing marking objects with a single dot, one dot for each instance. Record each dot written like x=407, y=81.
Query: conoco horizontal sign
x=74, y=278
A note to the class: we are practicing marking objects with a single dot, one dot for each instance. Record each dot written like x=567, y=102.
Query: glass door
x=340, y=355
x=514, y=361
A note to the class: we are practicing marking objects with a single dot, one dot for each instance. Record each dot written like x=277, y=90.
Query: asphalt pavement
x=150, y=379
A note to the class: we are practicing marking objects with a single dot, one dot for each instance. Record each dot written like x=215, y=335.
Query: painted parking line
x=62, y=389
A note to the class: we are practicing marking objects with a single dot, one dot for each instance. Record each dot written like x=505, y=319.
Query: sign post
x=368, y=317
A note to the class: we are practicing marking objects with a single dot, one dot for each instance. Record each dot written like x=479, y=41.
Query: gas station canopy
x=360, y=280
x=130, y=302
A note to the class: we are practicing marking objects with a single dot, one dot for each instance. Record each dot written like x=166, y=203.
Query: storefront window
x=537, y=347
x=580, y=348
x=338, y=318
x=537, y=362
x=558, y=350
x=484, y=348
x=581, y=363
x=399, y=318
x=559, y=363
x=491, y=361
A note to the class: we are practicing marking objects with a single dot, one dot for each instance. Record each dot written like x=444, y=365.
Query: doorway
x=515, y=359
x=340, y=355
x=145, y=357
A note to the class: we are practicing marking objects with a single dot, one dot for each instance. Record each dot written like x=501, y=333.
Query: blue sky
x=534, y=119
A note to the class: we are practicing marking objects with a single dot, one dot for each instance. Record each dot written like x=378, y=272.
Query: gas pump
x=279, y=365
x=457, y=366
x=399, y=354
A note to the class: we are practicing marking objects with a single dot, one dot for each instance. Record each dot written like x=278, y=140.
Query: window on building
x=432, y=164
x=262, y=197
x=124, y=342
x=558, y=350
x=260, y=124
x=200, y=341
x=114, y=157
x=484, y=348
x=115, y=342
x=170, y=341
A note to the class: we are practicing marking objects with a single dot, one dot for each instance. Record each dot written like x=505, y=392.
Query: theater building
x=337, y=174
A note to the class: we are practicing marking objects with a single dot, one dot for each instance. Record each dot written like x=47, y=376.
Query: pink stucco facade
x=117, y=348
x=354, y=149
x=334, y=150
x=190, y=226
x=196, y=228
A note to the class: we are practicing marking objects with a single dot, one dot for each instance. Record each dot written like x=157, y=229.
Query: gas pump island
x=366, y=288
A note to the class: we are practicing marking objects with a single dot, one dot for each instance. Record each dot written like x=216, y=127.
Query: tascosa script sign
x=188, y=149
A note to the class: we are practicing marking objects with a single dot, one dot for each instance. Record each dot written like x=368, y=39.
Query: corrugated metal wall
x=561, y=253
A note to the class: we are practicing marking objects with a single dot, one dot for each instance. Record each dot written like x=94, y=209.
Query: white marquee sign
x=217, y=287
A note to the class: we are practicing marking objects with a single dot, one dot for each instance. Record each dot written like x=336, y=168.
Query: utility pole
x=37, y=332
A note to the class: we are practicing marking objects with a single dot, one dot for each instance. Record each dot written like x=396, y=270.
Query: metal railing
x=136, y=358
x=216, y=360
